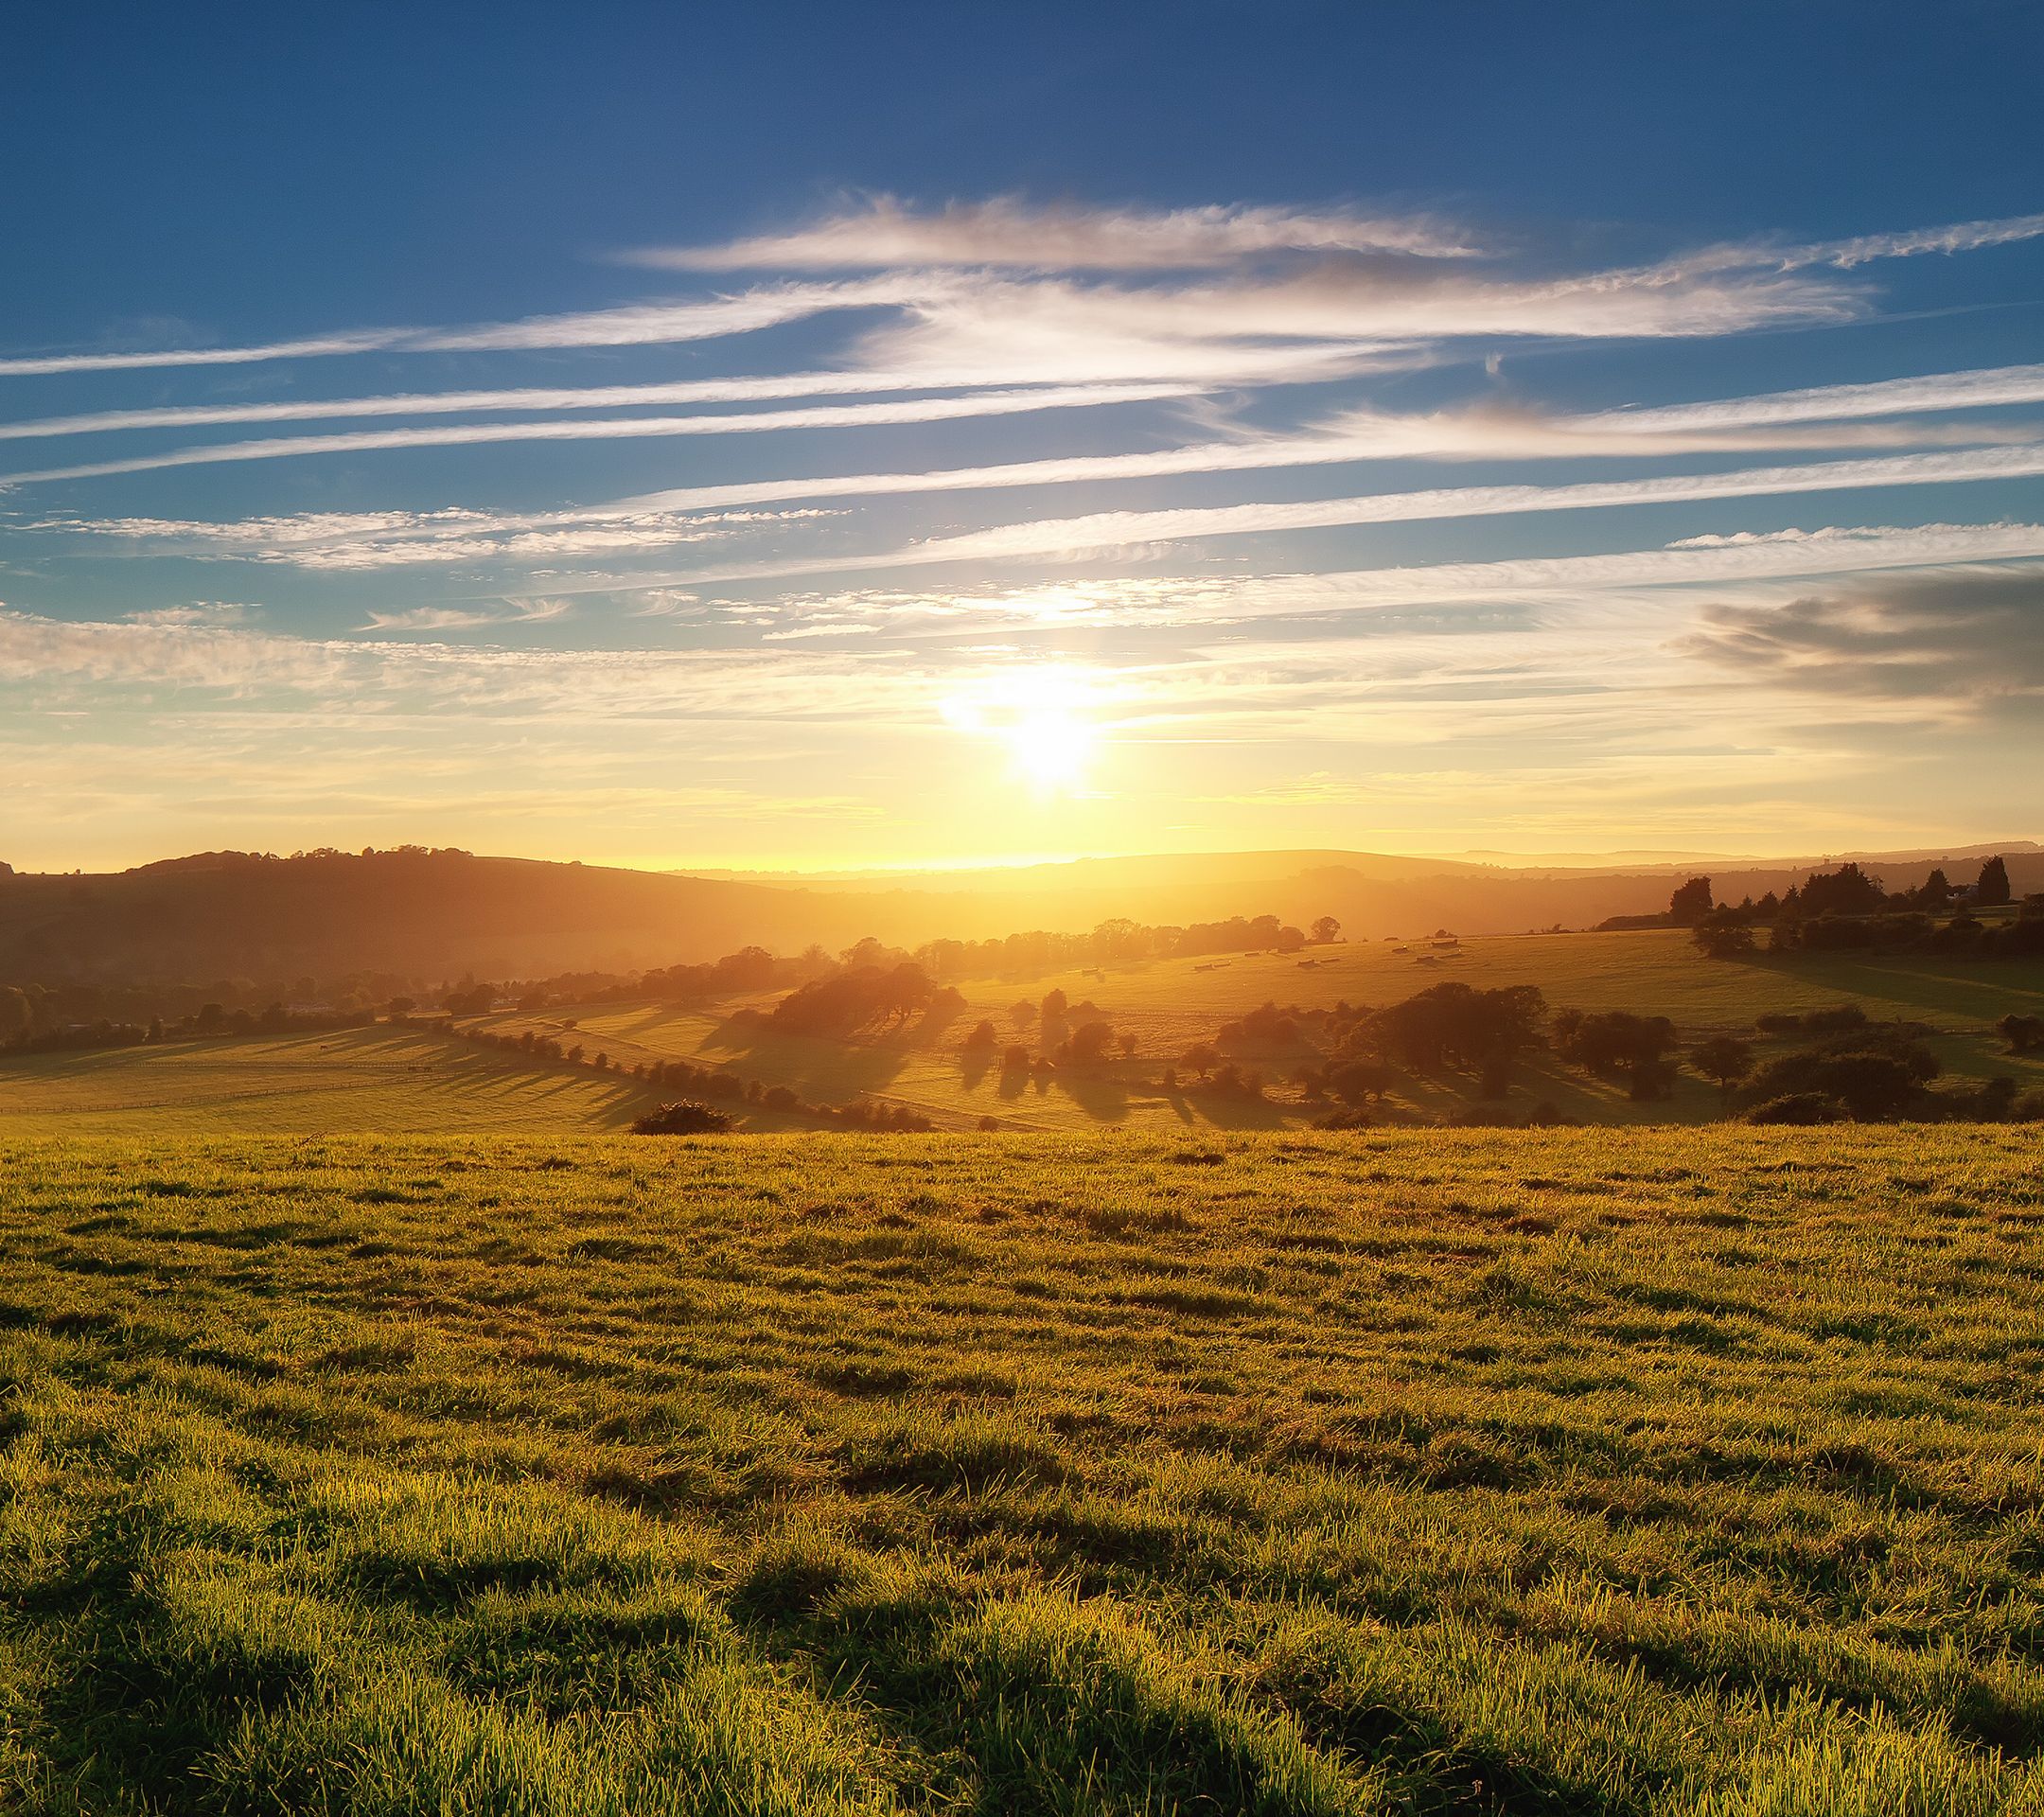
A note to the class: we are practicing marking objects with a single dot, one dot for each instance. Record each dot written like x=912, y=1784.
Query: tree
x=982, y=1036
x=1847, y=890
x=1724, y=933
x=1128, y=1045
x=1724, y=1060
x=1617, y=1043
x=1054, y=1005
x=1992, y=889
x=2022, y=1033
x=1202, y=1057
x=1326, y=931
x=1357, y=1081
x=1089, y=1042
x=1455, y=1025
x=1936, y=891
x=1873, y=1075
x=1690, y=903
x=17, y=1016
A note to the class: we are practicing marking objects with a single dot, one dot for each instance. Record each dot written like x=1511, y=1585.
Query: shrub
x=685, y=1117
x=1798, y=1108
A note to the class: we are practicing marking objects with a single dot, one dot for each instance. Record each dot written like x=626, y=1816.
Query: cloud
x=1153, y=602
x=1008, y=231
x=1395, y=281
x=1963, y=237
x=1980, y=389
x=199, y=612
x=633, y=324
x=461, y=618
x=1486, y=432
x=1136, y=530
x=918, y=410
x=1967, y=639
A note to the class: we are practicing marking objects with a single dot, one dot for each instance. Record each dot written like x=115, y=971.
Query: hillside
x=1663, y=1474
x=413, y=914
x=1372, y=895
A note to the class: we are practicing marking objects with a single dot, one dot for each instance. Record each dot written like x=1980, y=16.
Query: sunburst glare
x=1047, y=717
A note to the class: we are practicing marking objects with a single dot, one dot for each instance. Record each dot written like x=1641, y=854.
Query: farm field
x=1170, y=1004
x=1622, y=1472
x=378, y=1079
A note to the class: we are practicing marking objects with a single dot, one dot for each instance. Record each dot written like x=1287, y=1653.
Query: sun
x=1043, y=717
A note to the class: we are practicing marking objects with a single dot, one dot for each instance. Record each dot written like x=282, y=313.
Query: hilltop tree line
x=1849, y=910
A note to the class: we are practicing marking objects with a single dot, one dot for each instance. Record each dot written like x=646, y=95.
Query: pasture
x=1600, y=1471
x=1171, y=1004
x=383, y=1079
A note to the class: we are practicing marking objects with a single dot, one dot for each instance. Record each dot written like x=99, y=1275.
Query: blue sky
x=814, y=437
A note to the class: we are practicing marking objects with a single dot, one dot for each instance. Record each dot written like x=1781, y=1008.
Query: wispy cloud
x=633, y=324
x=1489, y=432
x=1135, y=530
x=1152, y=602
x=1009, y=231
x=917, y=410
x=456, y=618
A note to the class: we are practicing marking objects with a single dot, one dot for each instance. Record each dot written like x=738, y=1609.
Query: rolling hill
x=430, y=916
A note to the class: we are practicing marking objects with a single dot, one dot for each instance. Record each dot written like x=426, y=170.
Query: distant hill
x=429, y=915
x=432, y=915
x=1373, y=895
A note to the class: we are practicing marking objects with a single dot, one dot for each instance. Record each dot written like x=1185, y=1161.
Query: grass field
x=1601, y=1470
x=381, y=1080
x=396, y=1080
x=1170, y=1004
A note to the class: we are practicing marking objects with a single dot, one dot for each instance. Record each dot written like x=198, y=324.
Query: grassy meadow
x=1171, y=1004
x=378, y=1080
x=1586, y=1471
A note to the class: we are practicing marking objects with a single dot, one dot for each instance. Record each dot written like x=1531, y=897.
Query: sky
x=808, y=437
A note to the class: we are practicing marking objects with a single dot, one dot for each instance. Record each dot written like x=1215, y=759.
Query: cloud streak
x=1131, y=530
x=1008, y=231
x=920, y=410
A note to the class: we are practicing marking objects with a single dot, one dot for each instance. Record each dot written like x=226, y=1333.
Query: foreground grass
x=1586, y=1471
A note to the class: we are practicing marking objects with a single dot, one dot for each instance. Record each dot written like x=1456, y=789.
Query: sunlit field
x=380, y=1079
x=1171, y=1004
x=1579, y=1471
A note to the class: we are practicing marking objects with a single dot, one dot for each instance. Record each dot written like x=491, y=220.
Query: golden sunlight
x=1044, y=717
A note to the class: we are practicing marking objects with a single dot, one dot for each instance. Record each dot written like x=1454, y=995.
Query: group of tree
x=1621, y=1046
x=1848, y=909
x=865, y=996
x=25, y=1026
x=717, y=1085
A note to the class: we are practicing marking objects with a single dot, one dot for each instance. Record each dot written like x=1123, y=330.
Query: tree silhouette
x=1691, y=902
x=1992, y=889
x=1724, y=1060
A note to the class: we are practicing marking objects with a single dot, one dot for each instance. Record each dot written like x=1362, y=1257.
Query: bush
x=686, y=1118
x=1797, y=1108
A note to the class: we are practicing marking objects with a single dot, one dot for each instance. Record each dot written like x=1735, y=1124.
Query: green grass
x=1603, y=1471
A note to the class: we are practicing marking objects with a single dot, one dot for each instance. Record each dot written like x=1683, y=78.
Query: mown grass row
x=1578, y=1471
